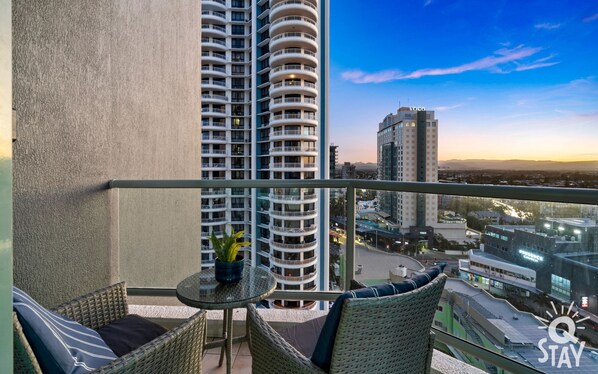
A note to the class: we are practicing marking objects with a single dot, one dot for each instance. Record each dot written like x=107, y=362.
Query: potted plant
x=229, y=264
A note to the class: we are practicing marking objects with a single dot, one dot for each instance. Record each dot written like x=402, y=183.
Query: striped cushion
x=323, y=352
x=60, y=344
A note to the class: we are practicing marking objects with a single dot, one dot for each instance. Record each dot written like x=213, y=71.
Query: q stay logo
x=566, y=341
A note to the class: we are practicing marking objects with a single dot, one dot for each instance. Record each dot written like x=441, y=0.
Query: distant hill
x=366, y=166
x=518, y=165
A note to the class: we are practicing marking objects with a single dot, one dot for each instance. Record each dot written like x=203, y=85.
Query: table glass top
x=201, y=289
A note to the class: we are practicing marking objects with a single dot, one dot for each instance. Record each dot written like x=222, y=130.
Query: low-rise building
x=475, y=315
x=557, y=256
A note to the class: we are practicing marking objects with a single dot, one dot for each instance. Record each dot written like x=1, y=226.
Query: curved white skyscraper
x=264, y=74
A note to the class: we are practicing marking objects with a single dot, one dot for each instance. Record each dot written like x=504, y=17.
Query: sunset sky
x=508, y=79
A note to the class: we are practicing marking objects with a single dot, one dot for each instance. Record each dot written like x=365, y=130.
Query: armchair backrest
x=24, y=359
x=387, y=334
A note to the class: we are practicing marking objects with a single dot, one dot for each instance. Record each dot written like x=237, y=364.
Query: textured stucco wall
x=103, y=90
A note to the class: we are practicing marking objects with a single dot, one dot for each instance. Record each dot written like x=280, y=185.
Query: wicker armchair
x=375, y=335
x=177, y=351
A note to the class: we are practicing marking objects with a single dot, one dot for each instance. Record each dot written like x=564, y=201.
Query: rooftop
x=523, y=329
x=579, y=222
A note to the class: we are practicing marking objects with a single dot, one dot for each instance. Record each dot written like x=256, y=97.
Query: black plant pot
x=229, y=272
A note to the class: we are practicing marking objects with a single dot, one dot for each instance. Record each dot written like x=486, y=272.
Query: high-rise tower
x=264, y=109
x=408, y=152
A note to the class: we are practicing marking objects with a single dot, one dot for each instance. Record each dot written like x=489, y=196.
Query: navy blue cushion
x=323, y=351
x=129, y=333
x=60, y=344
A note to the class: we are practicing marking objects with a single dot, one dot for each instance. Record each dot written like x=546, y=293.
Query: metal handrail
x=546, y=194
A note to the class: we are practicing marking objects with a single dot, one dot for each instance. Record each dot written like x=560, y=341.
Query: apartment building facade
x=408, y=152
x=264, y=110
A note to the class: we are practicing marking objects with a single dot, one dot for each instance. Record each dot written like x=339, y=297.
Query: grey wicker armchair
x=177, y=351
x=388, y=334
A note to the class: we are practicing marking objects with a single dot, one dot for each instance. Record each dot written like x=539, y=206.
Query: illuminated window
x=560, y=287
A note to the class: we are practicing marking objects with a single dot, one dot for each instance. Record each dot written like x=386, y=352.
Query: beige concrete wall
x=103, y=90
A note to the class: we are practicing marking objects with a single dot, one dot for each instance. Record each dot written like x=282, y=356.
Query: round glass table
x=201, y=290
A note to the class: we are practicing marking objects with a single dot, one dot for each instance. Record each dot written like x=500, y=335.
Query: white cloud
x=591, y=18
x=491, y=63
x=547, y=26
x=443, y=108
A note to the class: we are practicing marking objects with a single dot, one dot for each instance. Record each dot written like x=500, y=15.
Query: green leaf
x=227, y=248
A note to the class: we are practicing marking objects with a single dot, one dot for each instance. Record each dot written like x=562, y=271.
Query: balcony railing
x=542, y=194
x=294, y=278
x=307, y=100
x=293, y=51
x=292, y=246
x=293, y=262
x=214, y=27
x=294, y=67
x=294, y=84
x=214, y=13
x=293, y=230
x=308, y=116
x=294, y=35
x=291, y=2
x=293, y=18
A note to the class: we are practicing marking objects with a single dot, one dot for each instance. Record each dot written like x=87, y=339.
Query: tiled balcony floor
x=241, y=360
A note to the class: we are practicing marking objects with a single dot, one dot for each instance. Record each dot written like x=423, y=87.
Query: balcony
x=293, y=39
x=207, y=124
x=73, y=232
x=294, y=248
x=213, y=57
x=290, y=199
x=294, y=87
x=293, y=55
x=290, y=278
x=213, y=84
x=213, y=71
x=292, y=119
x=214, y=166
x=213, y=152
x=213, y=112
x=293, y=7
x=294, y=151
x=295, y=70
x=206, y=98
x=215, y=4
x=213, y=16
x=292, y=264
x=299, y=103
x=213, y=30
x=293, y=23
x=294, y=231
x=290, y=214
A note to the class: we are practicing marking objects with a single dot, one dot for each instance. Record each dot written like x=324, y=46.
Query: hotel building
x=408, y=152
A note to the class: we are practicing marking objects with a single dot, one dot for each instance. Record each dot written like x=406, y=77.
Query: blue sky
x=511, y=79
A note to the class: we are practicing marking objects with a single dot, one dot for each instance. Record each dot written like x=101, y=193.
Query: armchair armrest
x=177, y=351
x=98, y=308
x=430, y=351
x=271, y=353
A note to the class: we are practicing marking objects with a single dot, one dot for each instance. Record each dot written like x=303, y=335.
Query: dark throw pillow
x=129, y=333
x=322, y=354
x=60, y=344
